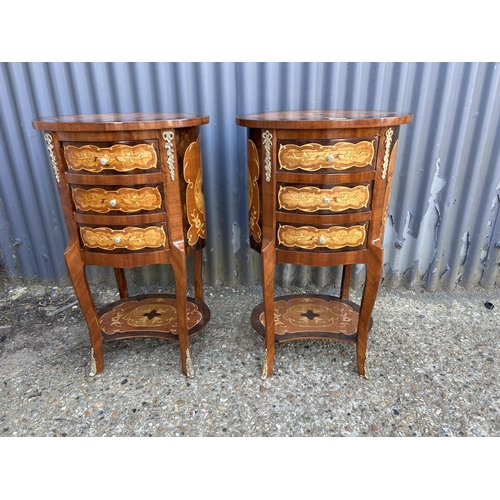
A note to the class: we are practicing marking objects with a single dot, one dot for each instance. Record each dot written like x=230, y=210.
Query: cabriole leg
x=76, y=270
x=372, y=283
x=180, y=275
x=268, y=265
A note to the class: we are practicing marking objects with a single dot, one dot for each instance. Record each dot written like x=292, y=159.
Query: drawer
x=115, y=158
x=339, y=198
x=322, y=237
x=340, y=155
x=129, y=238
x=124, y=199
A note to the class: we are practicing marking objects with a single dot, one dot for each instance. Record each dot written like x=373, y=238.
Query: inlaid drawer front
x=332, y=238
x=312, y=198
x=119, y=157
x=339, y=156
x=129, y=238
x=127, y=200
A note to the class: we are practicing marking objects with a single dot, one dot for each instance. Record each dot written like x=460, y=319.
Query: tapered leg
x=268, y=266
x=198, y=274
x=180, y=275
x=346, y=281
x=76, y=270
x=121, y=281
x=374, y=263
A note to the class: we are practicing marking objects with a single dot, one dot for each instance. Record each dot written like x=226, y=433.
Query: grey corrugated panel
x=216, y=96
x=444, y=204
x=445, y=187
x=27, y=190
x=478, y=174
x=6, y=253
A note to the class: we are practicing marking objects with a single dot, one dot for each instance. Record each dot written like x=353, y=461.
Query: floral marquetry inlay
x=340, y=156
x=130, y=238
x=195, y=202
x=253, y=191
x=127, y=200
x=313, y=315
x=119, y=157
x=333, y=238
x=312, y=199
x=157, y=314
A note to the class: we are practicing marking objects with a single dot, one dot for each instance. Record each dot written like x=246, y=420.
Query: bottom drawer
x=327, y=237
x=130, y=238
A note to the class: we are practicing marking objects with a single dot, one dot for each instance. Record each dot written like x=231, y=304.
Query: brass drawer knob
x=326, y=200
x=112, y=203
x=329, y=158
x=103, y=161
x=321, y=240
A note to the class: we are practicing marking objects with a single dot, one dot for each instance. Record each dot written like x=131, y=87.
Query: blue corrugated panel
x=445, y=198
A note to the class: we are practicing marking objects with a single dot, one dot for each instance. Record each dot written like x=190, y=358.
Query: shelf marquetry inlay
x=312, y=315
x=151, y=314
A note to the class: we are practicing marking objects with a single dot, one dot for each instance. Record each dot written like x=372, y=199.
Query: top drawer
x=333, y=155
x=121, y=157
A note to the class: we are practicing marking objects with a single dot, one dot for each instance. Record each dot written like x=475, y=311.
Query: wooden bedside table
x=318, y=190
x=130, y=187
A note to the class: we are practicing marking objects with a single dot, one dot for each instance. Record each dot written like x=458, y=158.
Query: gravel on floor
x=433, y=358
x=434, y=372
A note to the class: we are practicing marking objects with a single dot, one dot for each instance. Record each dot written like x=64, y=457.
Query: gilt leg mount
x=365, y=369
x=93, y=364
x=264, y=367
x=189, y=364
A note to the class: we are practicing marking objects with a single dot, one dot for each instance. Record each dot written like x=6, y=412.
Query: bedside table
x=130, y=187
x=318, y=190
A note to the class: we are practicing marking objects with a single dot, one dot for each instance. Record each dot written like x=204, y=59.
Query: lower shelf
x=150, y=316
x=310, y=317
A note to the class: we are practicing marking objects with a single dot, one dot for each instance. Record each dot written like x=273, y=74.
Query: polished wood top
x=118, y=121
x=323, y=119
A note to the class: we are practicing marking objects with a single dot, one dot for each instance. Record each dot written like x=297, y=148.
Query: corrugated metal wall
x=442, y=225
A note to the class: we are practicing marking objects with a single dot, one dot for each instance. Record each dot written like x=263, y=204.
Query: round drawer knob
x=112, y=203
x=321, y=240
x=329, y=158
x=103, y=161
x=117, y=239
x=326, y=200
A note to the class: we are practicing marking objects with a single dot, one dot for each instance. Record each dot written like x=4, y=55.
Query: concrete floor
x=433, y=358
x=434, y=365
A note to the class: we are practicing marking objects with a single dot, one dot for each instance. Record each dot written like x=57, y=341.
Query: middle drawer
x=120, y=199
x=327, y=199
